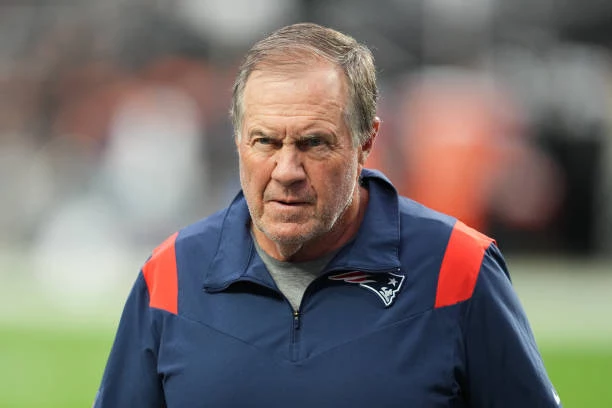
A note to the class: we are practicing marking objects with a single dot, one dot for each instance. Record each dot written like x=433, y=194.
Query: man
x=319, y=285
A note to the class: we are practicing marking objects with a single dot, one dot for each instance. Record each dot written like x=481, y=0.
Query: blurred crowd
x=114, y=129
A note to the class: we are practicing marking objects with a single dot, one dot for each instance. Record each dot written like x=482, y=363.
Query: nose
x=289, y=167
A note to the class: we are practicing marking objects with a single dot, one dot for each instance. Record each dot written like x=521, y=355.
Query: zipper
x=297, y=315
x=295, y=327
x=296, y=320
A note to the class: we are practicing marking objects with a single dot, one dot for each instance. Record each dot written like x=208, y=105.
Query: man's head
x=299, y=44
x=300, y=158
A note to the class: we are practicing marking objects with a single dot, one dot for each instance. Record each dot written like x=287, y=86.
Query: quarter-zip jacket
x=417, y=311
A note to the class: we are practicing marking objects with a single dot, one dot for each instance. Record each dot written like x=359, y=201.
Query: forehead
x=317, y=86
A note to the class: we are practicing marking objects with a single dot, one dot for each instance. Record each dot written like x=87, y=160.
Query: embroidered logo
x=385, y=285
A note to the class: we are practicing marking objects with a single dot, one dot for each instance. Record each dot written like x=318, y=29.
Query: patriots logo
x=385, y=285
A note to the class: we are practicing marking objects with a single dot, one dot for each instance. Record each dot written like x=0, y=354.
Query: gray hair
x=290, y=44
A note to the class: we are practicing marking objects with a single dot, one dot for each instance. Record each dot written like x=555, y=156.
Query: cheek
x=243, y=171
x=349, y=169
x=253, y=176
x=340, y=180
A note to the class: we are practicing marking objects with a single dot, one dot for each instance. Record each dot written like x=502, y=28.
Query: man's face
x=298, y=166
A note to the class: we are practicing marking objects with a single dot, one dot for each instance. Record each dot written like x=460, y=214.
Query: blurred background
x=114, y=133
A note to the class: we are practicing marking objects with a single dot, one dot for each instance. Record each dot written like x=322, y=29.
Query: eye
x=314, y=142
x=265, y=142
x=311, y=142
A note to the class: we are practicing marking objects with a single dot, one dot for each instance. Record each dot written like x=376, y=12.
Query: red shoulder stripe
x=161, y=276
x=460, y=265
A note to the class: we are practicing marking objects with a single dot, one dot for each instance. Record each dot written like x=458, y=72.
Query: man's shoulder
x=420, y=218
x=412, y=214
x=455, y=251
x=204, y=232
x=207, y=227
x=433, y=226
x=185, y=250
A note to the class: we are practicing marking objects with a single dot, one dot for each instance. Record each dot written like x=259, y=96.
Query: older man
x=319, y=285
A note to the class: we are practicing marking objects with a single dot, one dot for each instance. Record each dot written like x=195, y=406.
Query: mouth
x=290, y=202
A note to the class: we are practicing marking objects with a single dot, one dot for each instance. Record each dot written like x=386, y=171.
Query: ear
x=367, y=146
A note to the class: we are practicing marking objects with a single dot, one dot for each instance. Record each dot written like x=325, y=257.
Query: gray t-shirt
x=292, y=278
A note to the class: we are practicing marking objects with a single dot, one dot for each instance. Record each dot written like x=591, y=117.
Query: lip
x=289, y=203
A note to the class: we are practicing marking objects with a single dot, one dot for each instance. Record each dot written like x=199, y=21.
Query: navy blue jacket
x=417, y=311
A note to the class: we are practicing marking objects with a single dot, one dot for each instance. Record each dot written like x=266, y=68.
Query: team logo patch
x=385, y=285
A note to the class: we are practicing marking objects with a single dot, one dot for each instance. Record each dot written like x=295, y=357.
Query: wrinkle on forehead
x=289, y=62
x=281, y=70
x=315, y=93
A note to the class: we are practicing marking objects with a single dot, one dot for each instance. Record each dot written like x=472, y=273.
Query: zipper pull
x=296, y=319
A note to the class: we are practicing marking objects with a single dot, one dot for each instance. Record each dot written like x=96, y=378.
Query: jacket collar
x=374, y=249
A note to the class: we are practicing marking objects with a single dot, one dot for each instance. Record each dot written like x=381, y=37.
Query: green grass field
x=62, y=368
x=43, y=368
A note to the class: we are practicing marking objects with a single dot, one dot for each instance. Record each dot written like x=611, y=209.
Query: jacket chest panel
x=411, y=362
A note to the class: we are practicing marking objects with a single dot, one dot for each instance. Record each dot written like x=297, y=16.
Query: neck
x=342, y=232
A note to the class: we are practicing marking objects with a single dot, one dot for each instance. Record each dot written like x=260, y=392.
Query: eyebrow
x=322, y=134
x=258, y=133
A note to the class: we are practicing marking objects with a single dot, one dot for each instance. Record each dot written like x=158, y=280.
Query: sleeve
x=503, y=365
x=130, y=378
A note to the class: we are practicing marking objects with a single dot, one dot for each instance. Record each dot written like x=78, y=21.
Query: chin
x=288, y=239
x=290, y=235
